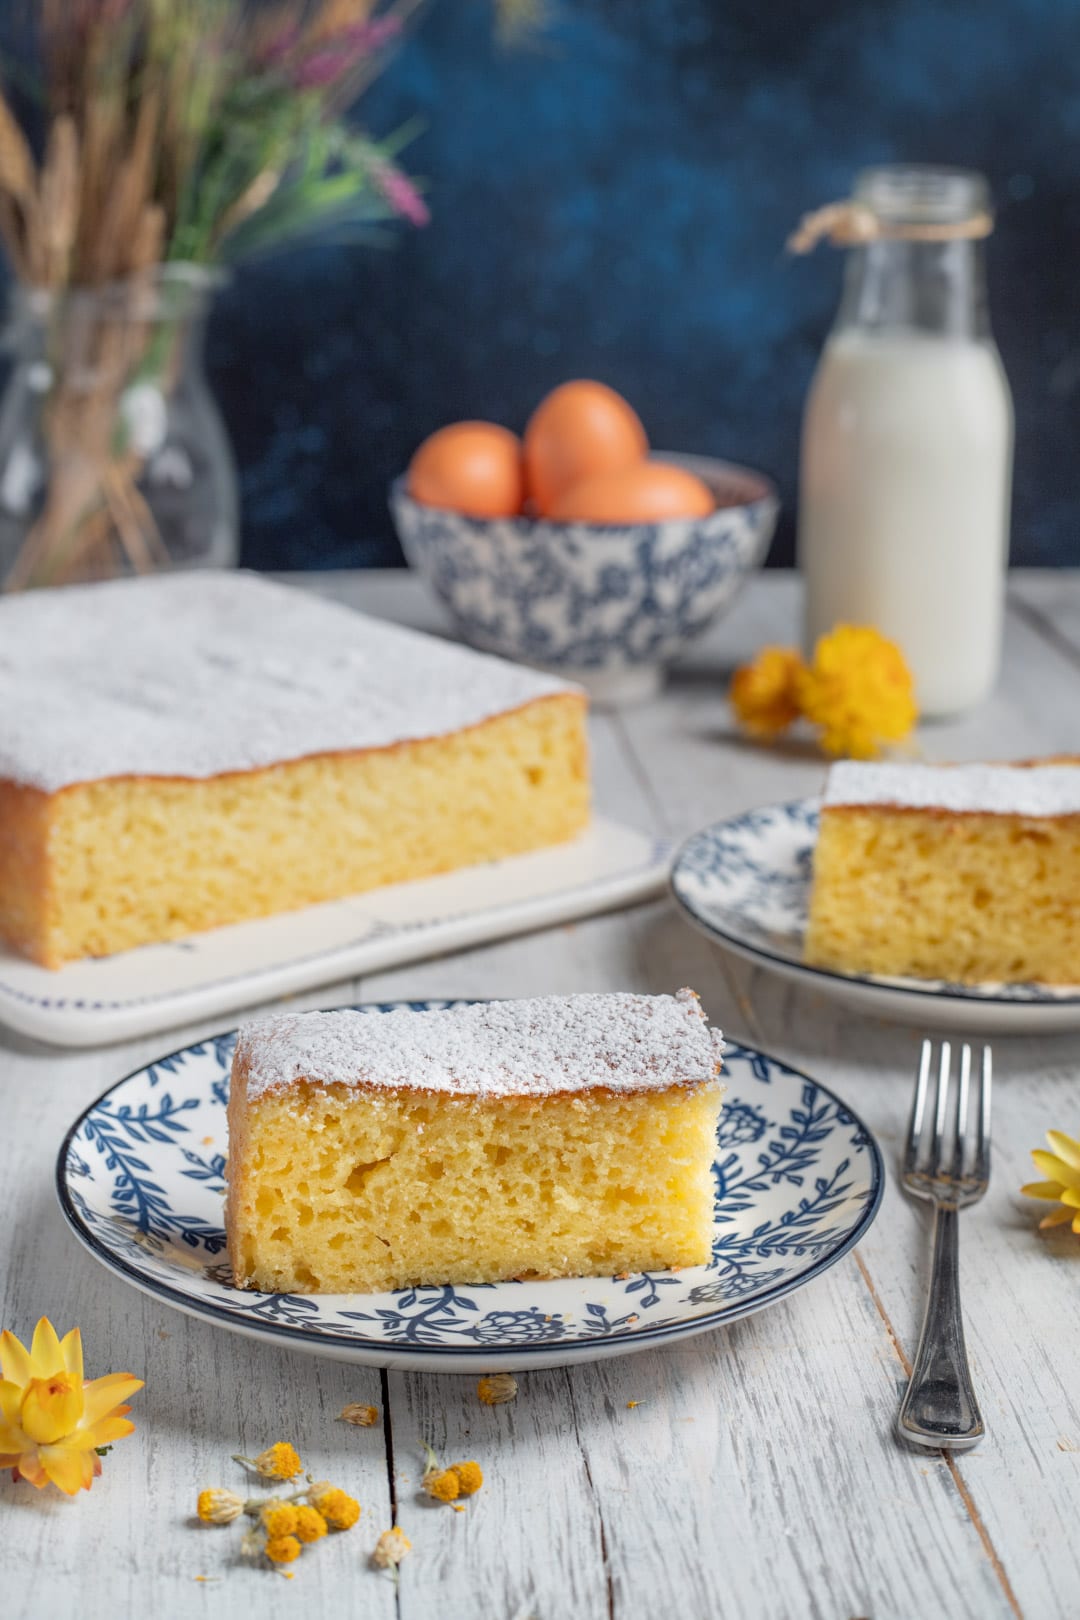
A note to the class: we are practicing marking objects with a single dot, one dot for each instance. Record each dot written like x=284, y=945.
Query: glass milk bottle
x=907, y=440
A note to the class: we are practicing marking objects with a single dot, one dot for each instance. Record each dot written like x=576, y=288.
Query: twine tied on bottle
x=853, y=224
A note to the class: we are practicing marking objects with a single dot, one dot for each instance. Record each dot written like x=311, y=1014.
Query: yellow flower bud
x=859, y=690
x=497, y=1388
x=278, y=1461
x=441, y=1483
x=763, y=694
x=390, y=1548
x=338, y=1509
x=279, y=1519
x=469, y=1476
x=282, y=1549
x=362, y=1417
x=310, y=1524
x=217, y=1506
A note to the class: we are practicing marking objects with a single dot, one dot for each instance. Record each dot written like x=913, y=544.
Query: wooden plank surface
x=757, y=1479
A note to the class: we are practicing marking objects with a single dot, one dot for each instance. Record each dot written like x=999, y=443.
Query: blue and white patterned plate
x=798, y=1182
x=746, y=883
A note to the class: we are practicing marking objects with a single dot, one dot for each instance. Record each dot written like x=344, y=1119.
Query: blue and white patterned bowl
x=798, y=1181
x=604, y=605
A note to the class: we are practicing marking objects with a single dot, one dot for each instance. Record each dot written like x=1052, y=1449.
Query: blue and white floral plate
x=798, y=1182
x=746, y=883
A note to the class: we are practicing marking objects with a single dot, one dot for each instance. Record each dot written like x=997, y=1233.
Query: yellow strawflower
x=1062, y=1168
x=859, y=690
x=217, y=1506
x=390, y=1548
x=52, y=1419
x=469, y=1475
x=441, y=1483
x=279, y=1519
x=278, y=1461
x=339, y=1510
x=282, y=1549
x=763, y=693
x=310, y=1524
x=497, y=1388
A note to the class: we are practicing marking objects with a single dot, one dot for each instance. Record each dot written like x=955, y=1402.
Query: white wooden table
x=758, y=1479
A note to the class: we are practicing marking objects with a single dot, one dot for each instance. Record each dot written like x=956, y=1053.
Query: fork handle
x=940, y=1409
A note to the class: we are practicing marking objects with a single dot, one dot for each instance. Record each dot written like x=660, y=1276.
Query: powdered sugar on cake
x=532, y=1048
x=195, y=675
x=1037, y=790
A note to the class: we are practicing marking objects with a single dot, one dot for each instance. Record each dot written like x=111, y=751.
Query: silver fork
x=947, y=1162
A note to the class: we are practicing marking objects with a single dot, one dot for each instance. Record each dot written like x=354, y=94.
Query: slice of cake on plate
x=562, y=1136
x=969, y=873
x=190, y=750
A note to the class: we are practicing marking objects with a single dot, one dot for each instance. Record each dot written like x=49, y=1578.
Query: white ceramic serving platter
x=798, y=1182
x=745, y=882
x=157, y=987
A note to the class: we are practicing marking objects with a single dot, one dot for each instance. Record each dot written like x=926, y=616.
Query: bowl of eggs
x=576, y=548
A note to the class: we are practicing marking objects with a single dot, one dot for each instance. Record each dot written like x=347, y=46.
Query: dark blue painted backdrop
x=612, y=202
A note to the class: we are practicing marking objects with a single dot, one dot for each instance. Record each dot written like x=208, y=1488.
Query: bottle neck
x=934, y=288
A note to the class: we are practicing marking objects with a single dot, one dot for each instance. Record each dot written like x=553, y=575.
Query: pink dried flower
x=400, y=192
x=321, y=68
x=279, y=45
x=370, y=37
x=338, y=55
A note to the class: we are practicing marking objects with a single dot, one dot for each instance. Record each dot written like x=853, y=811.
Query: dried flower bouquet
x=175, y=135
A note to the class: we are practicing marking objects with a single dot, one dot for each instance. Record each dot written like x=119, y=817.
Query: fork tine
x=962, y=1094
x=918, y=1106
x=982, y=1146
x=944, y=1073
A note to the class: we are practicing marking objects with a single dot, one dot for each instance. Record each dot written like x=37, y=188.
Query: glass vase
x=113, y=456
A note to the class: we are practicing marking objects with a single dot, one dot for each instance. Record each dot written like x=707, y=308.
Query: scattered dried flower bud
x=497, y=1388
x=470, y=1477
x=441, y=1483
x=252, y=1544
x=282, y=1549
x=279, y=1519
x=340, y=1510
x=310, y=1524
x=278, y=1461
x=390, y=1548
x=217, y=1506
x=362, y=1417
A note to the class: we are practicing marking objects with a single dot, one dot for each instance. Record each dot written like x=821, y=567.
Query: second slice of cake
x=968, y=873
x=564, y=1136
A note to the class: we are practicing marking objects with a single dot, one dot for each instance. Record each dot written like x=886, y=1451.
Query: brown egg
x=471, y=467
x=580, y=430
x=646, y=493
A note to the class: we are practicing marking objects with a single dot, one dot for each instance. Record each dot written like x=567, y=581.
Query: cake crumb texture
x=381, y=1186
x=107, y=865
x=979, y=894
